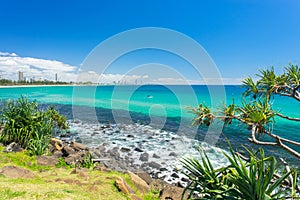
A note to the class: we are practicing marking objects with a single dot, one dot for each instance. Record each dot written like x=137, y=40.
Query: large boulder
x=16, y=172
x=78, y=146
x=76, y=158
x=139, y=183
x=144, y=157
x=145, y=176
x=67, y=150
x=171, y=192
x=56, y=143
x=123, y=186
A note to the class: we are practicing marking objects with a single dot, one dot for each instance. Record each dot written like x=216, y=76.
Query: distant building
x=56, y=77
x=20, y=76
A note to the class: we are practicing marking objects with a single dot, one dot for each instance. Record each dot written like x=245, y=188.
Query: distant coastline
x=16, y=86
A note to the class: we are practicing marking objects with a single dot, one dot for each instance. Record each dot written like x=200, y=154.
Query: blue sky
x=241, y=36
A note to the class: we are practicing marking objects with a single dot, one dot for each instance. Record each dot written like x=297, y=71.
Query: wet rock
x=16, y=172
x=174, y=175
x=163, y=169
x=123, y=186
x=184, y=179
x=144, y=157
x=125, y=149
x=154, y=165
x=130, y=136
x=155, y=156
x=138, y=149
x=114, y=152
x=46, y=160
x=179, y=184
x=140, y=184
x=101, y=148
x=95, y=153
x=173, y=154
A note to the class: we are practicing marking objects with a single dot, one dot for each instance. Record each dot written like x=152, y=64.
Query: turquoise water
x=171, y=101
x=154, y=100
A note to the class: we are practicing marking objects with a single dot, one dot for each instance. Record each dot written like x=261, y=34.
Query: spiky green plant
x=252, y=179
x=26, y=125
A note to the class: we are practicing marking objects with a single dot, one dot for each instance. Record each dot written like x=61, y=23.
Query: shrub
x=256, y=178
x=26, y=125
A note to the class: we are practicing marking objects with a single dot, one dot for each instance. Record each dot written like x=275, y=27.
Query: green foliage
x=26, y=125
x=62, y=163
x=269, y=83
x=10, y=194
x=251, y=179
x=203, y=115
x=88, y=161
x=209, y=182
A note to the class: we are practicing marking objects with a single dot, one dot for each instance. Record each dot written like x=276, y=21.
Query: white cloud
x=8, y=54
x=110, y=78
x=11, y=63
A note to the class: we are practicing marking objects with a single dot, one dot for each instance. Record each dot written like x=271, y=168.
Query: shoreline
x=22, y=86
x=72, y=85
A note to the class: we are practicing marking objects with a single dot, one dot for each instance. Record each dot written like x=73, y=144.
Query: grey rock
x=66, y=150
x=144, y=157
x=154, y=165
x=155, y=156
x=101, y=148
x=13, y=147
x=163, y=169
x=124, y=149
x=173, y=154
x=174, y=175
x=138, y=149
x=145, y=176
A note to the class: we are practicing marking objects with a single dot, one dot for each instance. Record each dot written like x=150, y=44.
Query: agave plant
x=205, y=180
x=256, y=178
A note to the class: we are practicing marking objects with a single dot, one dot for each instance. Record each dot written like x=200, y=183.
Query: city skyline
x=240, y=36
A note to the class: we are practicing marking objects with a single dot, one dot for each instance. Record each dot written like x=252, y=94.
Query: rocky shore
x=121, y=157
x=136, y=147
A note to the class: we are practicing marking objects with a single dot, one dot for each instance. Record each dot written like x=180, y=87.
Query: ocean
x=163, y=108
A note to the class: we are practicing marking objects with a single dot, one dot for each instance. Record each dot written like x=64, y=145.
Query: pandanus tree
x=257, y=111
x=254, y=175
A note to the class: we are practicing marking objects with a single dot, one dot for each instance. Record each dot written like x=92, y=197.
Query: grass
x=59, y=183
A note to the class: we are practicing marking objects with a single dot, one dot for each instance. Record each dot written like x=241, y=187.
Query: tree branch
x=277, y=143
x=286, y=117
x=282, y=139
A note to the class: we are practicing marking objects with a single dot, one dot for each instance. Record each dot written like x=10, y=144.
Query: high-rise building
x=56, y=77
x=20, y=76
